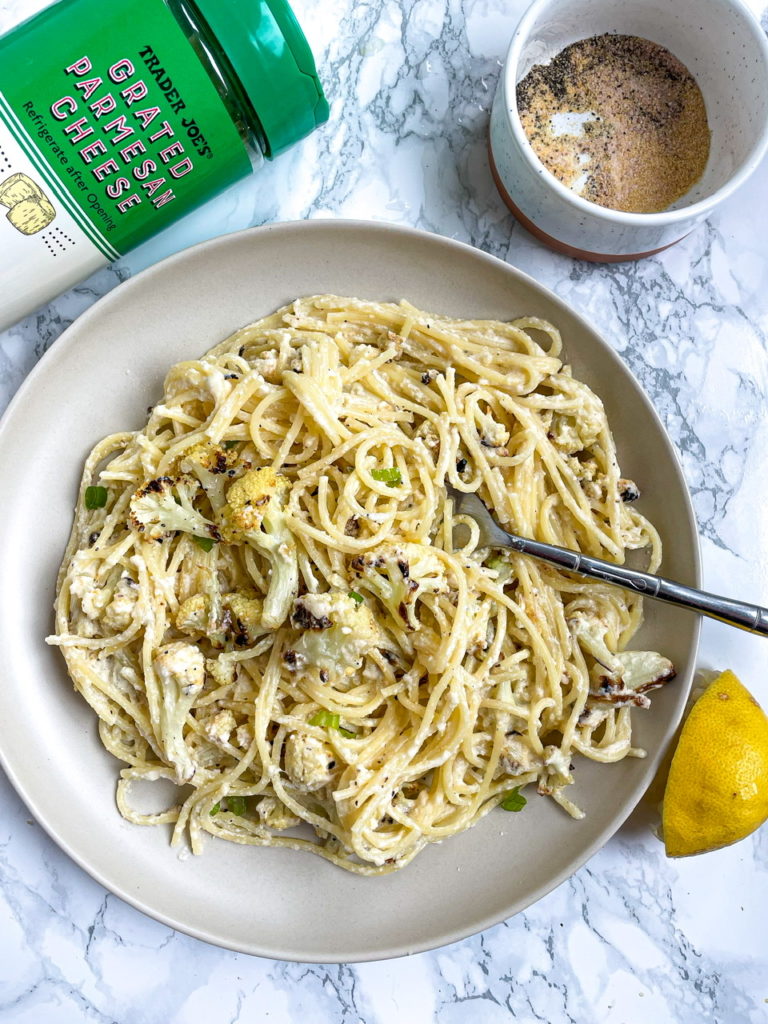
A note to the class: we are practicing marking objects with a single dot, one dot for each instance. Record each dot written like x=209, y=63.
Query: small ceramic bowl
x=724, y=48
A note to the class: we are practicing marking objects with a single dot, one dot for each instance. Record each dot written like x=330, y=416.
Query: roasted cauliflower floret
x=121, y=608
x=552, y=767
x=192, y=616
x=85, y=585
x=214, y=467
x=399, y=574
x=219, y=726
x=631, y=676
x=275, y=814
x=492, y=433
x=571, y=433
x=254, y=514
x=622, y=678
x=243, y=736
x=309, y=762
x=557, y=769
x=165, y=505
x=628, y=490
x=180, y=671
x=236, y=618
x=243, y=618
x=250, y=498
x=518, y=758
x=222, y=669
x=337, y=633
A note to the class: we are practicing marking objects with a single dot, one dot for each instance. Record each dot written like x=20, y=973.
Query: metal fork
x=735, y=613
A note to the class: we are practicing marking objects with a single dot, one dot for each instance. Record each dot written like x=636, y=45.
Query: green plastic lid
x=272, y=59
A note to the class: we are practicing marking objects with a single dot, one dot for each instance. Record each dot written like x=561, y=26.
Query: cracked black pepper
x=619, y=120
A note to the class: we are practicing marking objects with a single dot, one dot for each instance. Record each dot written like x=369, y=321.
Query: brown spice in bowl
x=619, y=120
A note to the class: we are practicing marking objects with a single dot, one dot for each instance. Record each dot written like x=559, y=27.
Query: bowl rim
x=663, y=218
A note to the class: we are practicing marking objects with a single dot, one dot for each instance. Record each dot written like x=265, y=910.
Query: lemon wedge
x=717, y=789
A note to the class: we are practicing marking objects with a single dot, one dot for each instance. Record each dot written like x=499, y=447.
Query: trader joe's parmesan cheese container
x=116, y=119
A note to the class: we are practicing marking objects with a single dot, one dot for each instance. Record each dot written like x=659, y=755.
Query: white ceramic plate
x=100, y=377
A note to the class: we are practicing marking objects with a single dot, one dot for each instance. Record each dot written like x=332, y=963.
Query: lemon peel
x=717, y=789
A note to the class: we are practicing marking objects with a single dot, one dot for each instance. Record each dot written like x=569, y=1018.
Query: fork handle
x=736, y=613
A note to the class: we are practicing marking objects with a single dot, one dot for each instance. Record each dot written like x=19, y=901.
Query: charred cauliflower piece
x=552, y=767
x=238, y=618
x=254, y=514
x=571, y=433
x=165, y=505
x=192, y=616
x=397, y=575
x=309, y=762
x=623, y=678
x=275, y=814
x=121, y=608
x=213, y=467
x=180, y=671
x=631, y=676
x=337, y=633
x=243, y=618
x=518, y=758
x=250, y=499
x=219, y=727
x=86, y=586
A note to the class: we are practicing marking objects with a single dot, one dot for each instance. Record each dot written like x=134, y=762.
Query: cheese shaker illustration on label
x=117, y=119
x=29, y=208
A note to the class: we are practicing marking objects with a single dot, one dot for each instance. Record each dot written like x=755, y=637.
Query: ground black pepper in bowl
x=619, y=120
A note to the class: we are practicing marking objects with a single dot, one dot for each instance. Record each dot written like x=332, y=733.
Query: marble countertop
x=632, y=936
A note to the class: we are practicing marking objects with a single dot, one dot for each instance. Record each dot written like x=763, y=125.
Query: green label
x=119, y=116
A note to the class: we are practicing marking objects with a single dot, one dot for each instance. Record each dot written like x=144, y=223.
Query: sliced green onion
x=388, y=475
x=206, y=543
x=95, y=497
x=216, y=808
x=357, y=598
x=501, y=567
x=230, y=444
x=325, y=719
x=513, y=800
x=330, y=720
x=236, y=804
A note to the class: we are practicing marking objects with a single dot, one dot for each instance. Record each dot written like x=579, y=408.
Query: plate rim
x=59, y=349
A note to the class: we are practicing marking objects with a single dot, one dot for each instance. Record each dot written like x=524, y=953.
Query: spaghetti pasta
x=266, y=600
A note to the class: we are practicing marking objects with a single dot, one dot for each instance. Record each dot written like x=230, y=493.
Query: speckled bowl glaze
x=726, y=51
